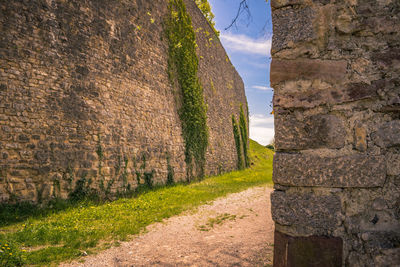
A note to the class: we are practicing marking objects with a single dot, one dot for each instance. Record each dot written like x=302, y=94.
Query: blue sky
x=248, y=45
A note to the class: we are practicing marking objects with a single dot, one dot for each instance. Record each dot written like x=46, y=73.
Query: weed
x=82, y=189
x=218, y=220
x=10, y=254
x=148, y=178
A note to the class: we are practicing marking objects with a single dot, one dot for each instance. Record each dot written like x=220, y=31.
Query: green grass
x=50, y=237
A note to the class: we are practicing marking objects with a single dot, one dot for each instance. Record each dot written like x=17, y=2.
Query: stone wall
x=85, y=96
x=336, y=75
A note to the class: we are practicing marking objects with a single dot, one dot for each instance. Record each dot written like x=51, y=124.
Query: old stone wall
x=336, y=75
x=85, y=96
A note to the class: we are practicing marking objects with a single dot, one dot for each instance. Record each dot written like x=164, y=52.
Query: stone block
x=306, y=210
x=292, y=26
x=319, y=96
x=314, y=132
x=388, y=135
x=389, y=257
x=376, y=241
x=360, y=136
x=275, y=4
x=393, y=164
x=331, y=71
x=307, y=251
x=347, y=171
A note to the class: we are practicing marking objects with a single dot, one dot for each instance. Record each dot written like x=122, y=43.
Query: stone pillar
x=336, y=75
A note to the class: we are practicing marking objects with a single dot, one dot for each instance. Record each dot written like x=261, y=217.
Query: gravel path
x=233, y=231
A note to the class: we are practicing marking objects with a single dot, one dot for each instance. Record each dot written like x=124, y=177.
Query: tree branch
x=243, y=7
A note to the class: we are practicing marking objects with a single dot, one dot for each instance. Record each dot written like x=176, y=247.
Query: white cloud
x=246, y=44
x=262, y=128
x=264, y=88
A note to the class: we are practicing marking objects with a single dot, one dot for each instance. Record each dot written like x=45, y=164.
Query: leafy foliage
x=10, y=254
x=205, y=8
x=238, y=144
x=184, y=62
x=245, y=137
x=240, y=134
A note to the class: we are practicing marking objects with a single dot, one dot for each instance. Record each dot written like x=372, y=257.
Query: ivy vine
x=245, y=137
x=236, y=135
x=183, y=62
x=240, y=134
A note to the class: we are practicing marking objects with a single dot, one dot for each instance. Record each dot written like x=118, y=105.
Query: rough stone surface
x=79, y=75
x=332, y=71
x=388, y=134
x=312, y=97
x=393, y=164
x=299, y=22
x=313, y=132
x=347, y=171
x=340, y=60
x=360, y=136
x=294, y=209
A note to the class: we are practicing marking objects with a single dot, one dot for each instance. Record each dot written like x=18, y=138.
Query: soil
x=236, y=230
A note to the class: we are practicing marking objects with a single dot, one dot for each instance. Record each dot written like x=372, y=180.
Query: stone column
x=336, y=75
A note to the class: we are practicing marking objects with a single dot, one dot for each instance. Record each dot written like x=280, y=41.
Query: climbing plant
x=244, y=136
x=236, y=136
x=205, y=8
x=183, y=63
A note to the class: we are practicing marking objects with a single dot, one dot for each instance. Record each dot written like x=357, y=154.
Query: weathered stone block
x=389, y=257
x=382, y=240
x=347, y=171
x=275, y=4
x=307, y=251
x=393, y=164
x=332, y=71
x=306, y=209
x=292, y=26
x=314, y=132
x=388, y=134
x=316, y=96
x=360, y=136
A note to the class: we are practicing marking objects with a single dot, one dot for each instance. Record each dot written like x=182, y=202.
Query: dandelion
x=10, y=254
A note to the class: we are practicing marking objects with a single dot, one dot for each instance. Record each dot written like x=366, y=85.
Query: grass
x=67, y=231
x=218, y=220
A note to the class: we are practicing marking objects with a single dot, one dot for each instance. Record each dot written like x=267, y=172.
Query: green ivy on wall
x=205, y=8
x=241, y=137
x=236, y=136
x=245, y=137
x=183, y=62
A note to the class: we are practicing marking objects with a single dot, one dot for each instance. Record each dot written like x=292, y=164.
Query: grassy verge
x=44, y=237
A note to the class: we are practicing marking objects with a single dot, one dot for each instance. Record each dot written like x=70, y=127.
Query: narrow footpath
x=236, y=230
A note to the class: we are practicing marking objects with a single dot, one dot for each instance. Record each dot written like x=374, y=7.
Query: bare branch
x=243, y=7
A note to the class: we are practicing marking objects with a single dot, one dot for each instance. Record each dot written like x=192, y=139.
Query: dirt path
x=233, y=231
